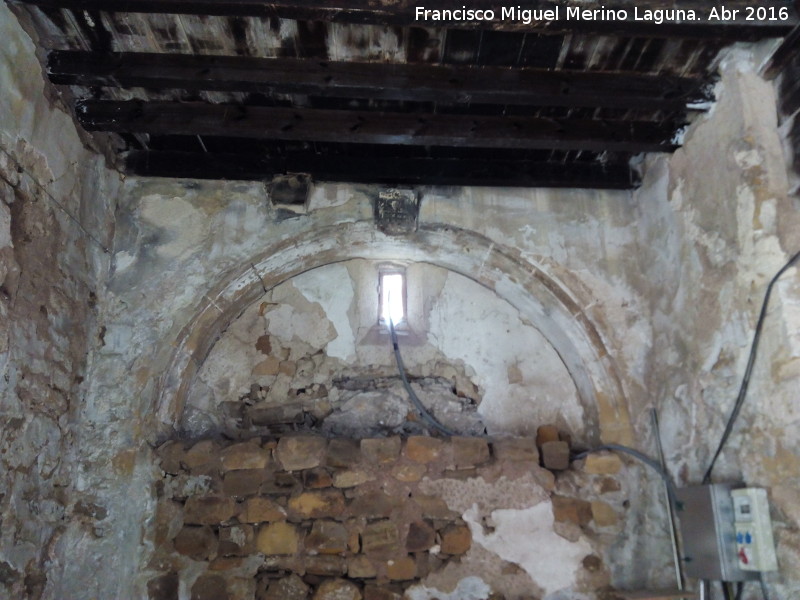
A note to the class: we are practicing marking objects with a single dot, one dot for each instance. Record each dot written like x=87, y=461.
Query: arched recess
x=542, y=299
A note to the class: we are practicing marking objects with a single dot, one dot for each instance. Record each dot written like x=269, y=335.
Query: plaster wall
x=717, y=220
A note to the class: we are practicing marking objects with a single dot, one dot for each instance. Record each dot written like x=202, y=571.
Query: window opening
x=392, y=304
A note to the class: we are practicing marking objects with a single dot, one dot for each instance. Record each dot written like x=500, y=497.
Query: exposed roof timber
x=420, y=83
x=790, y=87
x=402, y=13
x=413, y=129
x=389, y=170
x=788, y=50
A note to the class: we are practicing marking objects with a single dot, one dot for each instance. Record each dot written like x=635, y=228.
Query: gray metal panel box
x=709, y=538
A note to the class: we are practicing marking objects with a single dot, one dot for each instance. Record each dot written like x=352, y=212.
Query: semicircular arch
x=542, y=299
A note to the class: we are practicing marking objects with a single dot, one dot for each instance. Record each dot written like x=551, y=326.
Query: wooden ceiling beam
x=365, y=127
x=418, y=83
x=385, y=170
x=402, y=13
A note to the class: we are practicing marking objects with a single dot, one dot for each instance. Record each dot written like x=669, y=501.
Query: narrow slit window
x=392, y=297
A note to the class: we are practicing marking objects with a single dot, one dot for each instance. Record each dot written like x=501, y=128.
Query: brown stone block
x=260, y=510
x=409, y=473
x=284, y=564
x=516, y=449
x=238, y=540
x=360, y=567
x=163, y=587
x=169, y=520
x=198, y=543
x=607, y=485
x=343, y=453
x=170, y=456
x=433, y=507
x=603, y=514
x=279, y=538
x=318, y=478
x=317, y=504
x=423, y=449
x=246, y=482
x=456, y=539
x=326, y=565
x=210, y=587
x=295, y=453
x=245, y=455
x=202, y=453
x=269, y=366
x=288, y=588
x=373, y=592
x=421, y=536
x=337, y=589
x=571, y=510
x=350, y=478
x=469, y=452
x=381, y=450
x=379, y=537
x=555, y=456
x=401, y=569
x=288, y=367
x=354, y=535
x=208, y=510
x=276, y=415
x=225, y=563
x=375, y=505
x=602, y=463
x=281, y=483
x=327, y=537
x=546, y=433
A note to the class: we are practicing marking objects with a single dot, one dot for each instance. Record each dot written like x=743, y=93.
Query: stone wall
x=55, y=237
x=381, y=519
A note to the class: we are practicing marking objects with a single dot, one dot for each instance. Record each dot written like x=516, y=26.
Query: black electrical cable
x=739, y=590
x=737, y=407
x=726, y=590
x=427, y=417
x=764, y=591
x=671, y=491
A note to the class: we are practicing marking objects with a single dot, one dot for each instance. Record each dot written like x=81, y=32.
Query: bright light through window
x=392, y=297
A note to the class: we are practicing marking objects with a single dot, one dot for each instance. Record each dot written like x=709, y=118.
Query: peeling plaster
x=526, y=538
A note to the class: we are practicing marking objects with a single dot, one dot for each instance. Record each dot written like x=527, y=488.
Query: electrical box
x=755, y=548
x=706, y=519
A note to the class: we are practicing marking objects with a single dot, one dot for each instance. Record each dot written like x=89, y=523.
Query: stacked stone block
x=311, y=517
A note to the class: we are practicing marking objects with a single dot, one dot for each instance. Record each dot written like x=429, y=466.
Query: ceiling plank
x=785, y=53
x=419, y=83
x=413, y=129
x=386, y=170
x=402, y=13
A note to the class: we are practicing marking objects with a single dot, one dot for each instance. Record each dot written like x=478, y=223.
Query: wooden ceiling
x=361, y=91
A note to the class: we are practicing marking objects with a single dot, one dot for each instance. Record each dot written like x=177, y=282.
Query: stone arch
x=544, y=300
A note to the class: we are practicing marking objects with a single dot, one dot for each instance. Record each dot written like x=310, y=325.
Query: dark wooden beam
x=392, y=170
x=788, y=50
x=402, y=13
x=194, y=118
x=420, y=83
